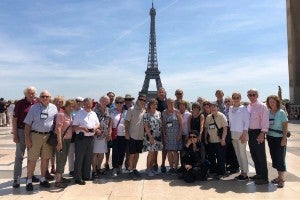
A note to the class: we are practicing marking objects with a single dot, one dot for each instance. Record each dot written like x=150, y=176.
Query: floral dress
x=154, y=124
x=100, y=143
x=172, y=129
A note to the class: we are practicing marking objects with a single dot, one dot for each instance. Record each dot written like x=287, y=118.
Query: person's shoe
x=155, y=167
x=29, y=187
x=114, y=172
x=163, y=169
x=175, y=172
x=35, y=179
x=65, y=180
x=49, y=177
x=155, y=172
x=242, y=178
x=136, y=173
x=150, y=173
x=255, y=177
x=280, y=183
x=16, y=184
x=45, y=184
x=261, y=181
x=80, y=182
x=95, y=175
x=275, y=181
x=131, y=176
x=87, y=179
x=60, y=185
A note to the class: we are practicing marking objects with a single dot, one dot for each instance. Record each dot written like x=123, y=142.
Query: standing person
x=128, y=104
x=161, y=106
x=238, y=117
x=172, y=129
x=2, y=112
x=220, y=102
x=71, y=155
x=134, y=132
x=20, y=111
x=119, y=142
x=232, y=165
x=10, y=112
x=277, y=138
x=100, y=141
x=185, y=114
x=86, y=125
x=63, y=129
x=216, y=127
x=38, y=123
x=258, y=127
x=196, y=120
x=111, y=107
x=152, y=124
x=179, y=98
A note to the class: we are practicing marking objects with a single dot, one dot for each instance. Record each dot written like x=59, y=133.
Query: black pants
x=196, y=173
x=216, y=157
x=231, y=159
x=258, y=154
x=118, y=151
x=83, y=157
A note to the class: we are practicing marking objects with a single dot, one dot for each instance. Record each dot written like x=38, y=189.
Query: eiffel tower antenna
x=152, y=71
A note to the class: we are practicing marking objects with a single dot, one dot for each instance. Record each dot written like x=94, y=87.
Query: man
x=86, y=125
x=220, y=102
x=71, y=155
x=38, y=123
x=111, y=107
x=134, y=132
x=20, y=111
x=161, y=106
x=179, y=98
x=258, y=127
x=216, y=127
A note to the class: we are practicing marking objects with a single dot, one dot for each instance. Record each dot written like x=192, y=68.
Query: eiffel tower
x=152, y=71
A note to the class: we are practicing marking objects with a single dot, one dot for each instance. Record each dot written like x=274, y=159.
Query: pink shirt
x=259, y=116
x=63, y=120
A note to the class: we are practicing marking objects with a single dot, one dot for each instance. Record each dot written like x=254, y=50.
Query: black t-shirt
x=2, y=107
x=161, y=105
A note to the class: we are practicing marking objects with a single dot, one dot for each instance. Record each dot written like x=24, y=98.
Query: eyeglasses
x=235, y=98
x=44, y=96
x=192, y=136
x=228, y=101
x=178, y=93
x=119, y=102
x=251, y=95
x=142, y=100
x=206, y=104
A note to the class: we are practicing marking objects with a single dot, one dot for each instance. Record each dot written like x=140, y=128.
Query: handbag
x=219, y=130
x=52, y=139
x=114, y=131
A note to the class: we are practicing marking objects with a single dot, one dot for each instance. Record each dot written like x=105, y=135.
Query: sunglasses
x=119, y=102
x=251, y=95
x=206, y=104
x=142, y=100
x=192, y=136
x=44, y=97
x=235, y=98
x=178, y=93
x=228, y=101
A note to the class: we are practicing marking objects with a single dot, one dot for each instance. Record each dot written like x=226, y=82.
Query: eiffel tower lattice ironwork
x=152, y=71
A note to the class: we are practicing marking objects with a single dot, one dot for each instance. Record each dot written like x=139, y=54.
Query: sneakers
x=35, y=179
x=29, y=187
x=241, y=178
x=163, y=169
x=16, y=184
x=45, y=184
x=114, y=172
x=136, y=173
x=131, y=175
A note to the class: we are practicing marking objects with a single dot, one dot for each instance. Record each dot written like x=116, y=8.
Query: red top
x=21, y=109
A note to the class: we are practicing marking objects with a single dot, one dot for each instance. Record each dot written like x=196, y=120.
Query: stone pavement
x=159, y=187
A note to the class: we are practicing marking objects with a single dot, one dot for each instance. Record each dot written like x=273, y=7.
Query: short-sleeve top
x=154, y=123
x=86, y=119
x=276, y=121
x=221, y=121
x=115, y=116
x=135, y=117
x=64, y=121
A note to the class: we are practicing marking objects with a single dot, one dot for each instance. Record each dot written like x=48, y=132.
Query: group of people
x=201, y=139
x=6, y=111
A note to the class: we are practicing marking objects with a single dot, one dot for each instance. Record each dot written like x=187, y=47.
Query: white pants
x=71, y=156
x=240, y=151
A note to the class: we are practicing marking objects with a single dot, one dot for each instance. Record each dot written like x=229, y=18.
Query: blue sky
x=87, y=48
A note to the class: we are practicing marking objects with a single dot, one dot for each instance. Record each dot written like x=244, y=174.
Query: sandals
x=279, y=182
x=60, y=185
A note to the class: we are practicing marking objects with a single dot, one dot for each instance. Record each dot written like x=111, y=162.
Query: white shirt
x=86, y=119
x=185, y=117
x=238, y=119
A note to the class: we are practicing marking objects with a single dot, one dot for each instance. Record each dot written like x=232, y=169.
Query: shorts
x=135, y=146
x=39, y=148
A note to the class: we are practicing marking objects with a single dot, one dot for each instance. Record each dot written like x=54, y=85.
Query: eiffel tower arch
x=152, y=72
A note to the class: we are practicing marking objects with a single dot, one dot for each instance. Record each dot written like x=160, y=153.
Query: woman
x=196, y=120
x=152, y=125
x=193, y=165
x=277, y=138
x=119, y=141
x=172, y=130
x=64, y=131
x=185, y=117
x=239, y=123
x=100, y=141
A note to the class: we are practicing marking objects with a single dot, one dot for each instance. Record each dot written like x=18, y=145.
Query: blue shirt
x=40, y=117
x=276, y=121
